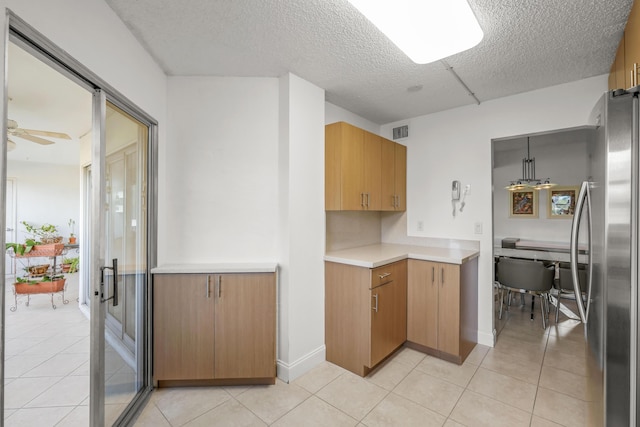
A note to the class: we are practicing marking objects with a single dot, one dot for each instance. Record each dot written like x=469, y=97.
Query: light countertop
x=372, y=256
x=218, y=267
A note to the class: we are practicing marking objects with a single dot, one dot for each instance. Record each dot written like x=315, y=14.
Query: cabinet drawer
x=382, y=275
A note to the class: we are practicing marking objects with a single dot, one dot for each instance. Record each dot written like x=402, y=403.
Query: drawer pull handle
x=382, y=276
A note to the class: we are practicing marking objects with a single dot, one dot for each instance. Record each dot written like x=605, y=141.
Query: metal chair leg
x=542, y=310
x=533, y=300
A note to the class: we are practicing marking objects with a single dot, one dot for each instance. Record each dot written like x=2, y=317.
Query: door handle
x=375, y=307
x=114, y=295
x=583, y=198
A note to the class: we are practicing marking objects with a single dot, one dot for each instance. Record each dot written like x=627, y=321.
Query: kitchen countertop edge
x=210, y=268
x=373, y=256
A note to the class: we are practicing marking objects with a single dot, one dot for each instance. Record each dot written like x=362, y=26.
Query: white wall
x=334, y=114
x=456, y=145
x=45, y=193
x=301, y=227
x=222, y=195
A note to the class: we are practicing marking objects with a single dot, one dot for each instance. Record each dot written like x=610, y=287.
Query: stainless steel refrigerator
x=607, y=207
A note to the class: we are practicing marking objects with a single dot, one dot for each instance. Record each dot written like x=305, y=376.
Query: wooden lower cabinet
x=442, y=309
x=214, y=327
x=365, y=314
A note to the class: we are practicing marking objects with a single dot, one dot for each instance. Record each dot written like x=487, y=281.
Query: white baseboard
x=288, y=372
x=487, y=339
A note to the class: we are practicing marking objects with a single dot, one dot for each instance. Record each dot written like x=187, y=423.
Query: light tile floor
x=47, y=363
x=532, y=377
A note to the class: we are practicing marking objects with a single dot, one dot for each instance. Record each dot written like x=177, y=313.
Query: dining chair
x=526, y=277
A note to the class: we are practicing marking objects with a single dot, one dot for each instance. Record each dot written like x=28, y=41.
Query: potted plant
x=47, y=284
x=43, y=241
x=72, y=236
x=46, y=233
x=70, y=265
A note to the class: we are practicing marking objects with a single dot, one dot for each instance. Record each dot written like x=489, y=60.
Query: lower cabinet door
x=422, y=303
x=245, y=325
x=183, y=338
x=449, y=309
x=388, y=318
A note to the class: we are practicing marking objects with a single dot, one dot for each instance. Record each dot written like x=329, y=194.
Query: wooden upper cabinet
x=617, y=74
x=363, y=171
x=625, y=68
x=631, y=47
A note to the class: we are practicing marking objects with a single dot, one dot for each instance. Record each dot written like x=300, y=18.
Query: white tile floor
x=46, y=360
x=47, y=363
x=533, y=377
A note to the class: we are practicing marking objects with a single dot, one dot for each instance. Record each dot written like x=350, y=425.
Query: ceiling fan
x=30, y=135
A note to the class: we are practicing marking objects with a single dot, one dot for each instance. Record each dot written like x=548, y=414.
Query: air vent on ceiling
x=401, y=132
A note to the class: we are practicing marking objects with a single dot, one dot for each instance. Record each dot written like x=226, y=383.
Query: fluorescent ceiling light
x=425, y=30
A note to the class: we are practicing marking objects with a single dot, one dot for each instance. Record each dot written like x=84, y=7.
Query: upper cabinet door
x=352, y=168
x=401, y=177
x=372, y=171
x=388, y=175
x=631, y=47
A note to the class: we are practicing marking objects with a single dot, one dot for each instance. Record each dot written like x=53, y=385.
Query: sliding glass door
x=119, y=173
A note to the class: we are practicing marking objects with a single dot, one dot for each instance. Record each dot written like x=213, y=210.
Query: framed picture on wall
x=561, y=202
x=523, y=204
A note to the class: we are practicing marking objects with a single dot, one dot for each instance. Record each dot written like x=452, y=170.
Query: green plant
x=44, y=232
x=73, y=263
x=47, y=278
x=30, y=282
x=21, y=248
x=72, y=224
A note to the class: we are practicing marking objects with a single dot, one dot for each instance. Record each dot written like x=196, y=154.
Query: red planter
x=40, y=287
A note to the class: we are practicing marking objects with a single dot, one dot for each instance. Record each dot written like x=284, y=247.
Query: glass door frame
x=28, y=38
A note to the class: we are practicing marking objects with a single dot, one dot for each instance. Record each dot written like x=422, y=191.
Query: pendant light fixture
x=529, y=179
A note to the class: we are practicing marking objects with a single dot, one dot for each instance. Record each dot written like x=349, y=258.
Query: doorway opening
x=96, y=184
x=535, y=224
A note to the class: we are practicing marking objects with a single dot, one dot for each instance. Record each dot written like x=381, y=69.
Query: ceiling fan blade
x=35, y=139
x=10, y=145
x=47, y=133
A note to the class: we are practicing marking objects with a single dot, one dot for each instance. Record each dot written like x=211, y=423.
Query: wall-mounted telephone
x=455, y=191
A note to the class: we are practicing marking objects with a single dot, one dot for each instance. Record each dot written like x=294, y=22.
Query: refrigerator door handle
x=584, y=200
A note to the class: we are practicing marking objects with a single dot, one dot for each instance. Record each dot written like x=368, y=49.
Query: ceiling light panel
x=425, y=30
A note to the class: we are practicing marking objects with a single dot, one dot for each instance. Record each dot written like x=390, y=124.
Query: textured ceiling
x=528, y=44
